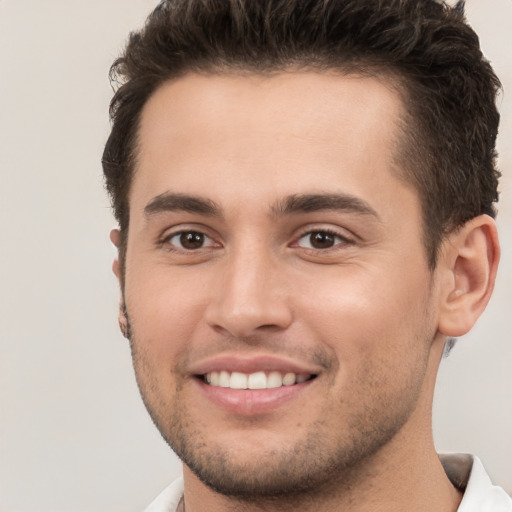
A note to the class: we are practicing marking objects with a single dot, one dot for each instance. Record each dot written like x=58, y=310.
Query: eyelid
x=208, y=242
x=340, y=233
x=170, y=233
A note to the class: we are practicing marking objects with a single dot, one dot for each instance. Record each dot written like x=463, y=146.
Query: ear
x=115, y=238
x=468, y=263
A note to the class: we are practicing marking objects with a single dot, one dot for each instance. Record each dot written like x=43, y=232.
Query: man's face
x=272, y=246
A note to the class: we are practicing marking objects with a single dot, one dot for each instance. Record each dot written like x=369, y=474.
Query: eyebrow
x=297, y=203
x=306, y=203
x=169, y=202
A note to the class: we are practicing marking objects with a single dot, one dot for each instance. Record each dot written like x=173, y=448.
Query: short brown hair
x=449, y=135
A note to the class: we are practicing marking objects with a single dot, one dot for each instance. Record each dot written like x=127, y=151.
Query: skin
x=361, y=310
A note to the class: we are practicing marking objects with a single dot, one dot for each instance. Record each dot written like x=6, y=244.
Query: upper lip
x=252, y=364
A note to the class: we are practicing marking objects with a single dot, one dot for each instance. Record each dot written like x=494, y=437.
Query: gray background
x=74, y=435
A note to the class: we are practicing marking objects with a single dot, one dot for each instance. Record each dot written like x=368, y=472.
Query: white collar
x=467, y=473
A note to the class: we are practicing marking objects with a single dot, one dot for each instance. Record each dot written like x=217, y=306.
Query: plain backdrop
x=74, y=435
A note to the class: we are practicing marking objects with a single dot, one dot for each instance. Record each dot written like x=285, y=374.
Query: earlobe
x=470, y=259
x=115, y=238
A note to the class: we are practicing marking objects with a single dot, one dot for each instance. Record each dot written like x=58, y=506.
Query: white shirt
x=466, y=472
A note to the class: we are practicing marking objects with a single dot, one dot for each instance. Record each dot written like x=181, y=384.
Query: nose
x=250, y=297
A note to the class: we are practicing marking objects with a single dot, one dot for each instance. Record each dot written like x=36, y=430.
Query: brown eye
x=190, y=240
x=321, y=240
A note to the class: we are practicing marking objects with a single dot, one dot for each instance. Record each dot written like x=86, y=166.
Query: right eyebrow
x=171, y=202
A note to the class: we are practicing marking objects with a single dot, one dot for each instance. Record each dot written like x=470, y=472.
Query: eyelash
x=173, y=247
x=342, y=240
x=166, y=240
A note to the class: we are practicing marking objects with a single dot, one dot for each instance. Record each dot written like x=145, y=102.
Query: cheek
x=367, y=317
x=380, y=340
x=165, y=311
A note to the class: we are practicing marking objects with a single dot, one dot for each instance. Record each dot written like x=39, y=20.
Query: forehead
x=235, y=135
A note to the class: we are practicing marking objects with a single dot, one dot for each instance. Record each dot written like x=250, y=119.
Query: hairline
x=407, y=125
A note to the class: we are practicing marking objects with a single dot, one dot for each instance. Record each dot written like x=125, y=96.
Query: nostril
x=242, y=315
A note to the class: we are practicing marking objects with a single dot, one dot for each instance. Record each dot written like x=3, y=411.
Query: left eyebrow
x=171, y=202
x=306, y=203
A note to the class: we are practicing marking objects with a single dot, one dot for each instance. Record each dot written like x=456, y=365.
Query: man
x=305, y=194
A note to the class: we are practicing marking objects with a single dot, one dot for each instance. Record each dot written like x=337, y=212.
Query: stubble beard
x=313, y=466
x=308, y=469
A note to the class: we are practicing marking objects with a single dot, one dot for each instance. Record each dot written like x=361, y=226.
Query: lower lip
x=248, y=402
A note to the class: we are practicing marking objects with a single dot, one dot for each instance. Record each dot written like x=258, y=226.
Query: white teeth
x=274, y=380
x=238, y=381
x=257, y=380
x=302, y=378
x=213, y=378
x=224, y=379
x=289, y=379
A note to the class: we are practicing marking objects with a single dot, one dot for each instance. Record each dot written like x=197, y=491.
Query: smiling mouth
x=256, y=380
